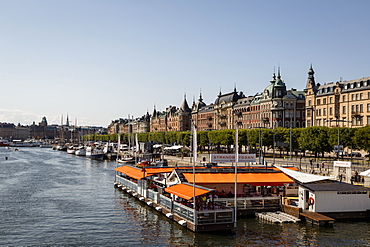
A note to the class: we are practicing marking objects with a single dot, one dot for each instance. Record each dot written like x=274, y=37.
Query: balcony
x=356, y=114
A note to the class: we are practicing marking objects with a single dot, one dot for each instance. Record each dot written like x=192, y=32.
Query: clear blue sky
x=102, y=60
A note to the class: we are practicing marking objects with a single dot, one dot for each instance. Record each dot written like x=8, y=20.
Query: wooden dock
x=317, y=218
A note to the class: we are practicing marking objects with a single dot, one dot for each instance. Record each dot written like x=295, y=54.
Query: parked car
x=354, y=154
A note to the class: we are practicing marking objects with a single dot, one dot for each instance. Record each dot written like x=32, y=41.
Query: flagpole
x=118, y=148
x=194, y=161
x=236, y=171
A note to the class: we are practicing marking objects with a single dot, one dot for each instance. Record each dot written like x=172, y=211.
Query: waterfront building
x=173, y=119
x=7, y=130
x=172, y=191
x=224, y=109
x=322, y=194
x=337, y=103
x=274, y=107
x=203, y=115
x=158, y=121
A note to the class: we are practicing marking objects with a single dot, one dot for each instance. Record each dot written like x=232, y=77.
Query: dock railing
x=251, y=202
x=127, y=183
x=153, y=195
x=218, y=216
x=183, y=211
x=165, y=202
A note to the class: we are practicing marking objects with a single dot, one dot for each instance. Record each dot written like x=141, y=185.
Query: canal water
x=50, y=198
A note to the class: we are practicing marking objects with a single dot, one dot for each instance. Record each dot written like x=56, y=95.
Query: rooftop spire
x=279, y=77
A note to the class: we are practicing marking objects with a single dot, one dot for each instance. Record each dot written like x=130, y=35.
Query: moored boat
x=94, y=152
x=81, y=151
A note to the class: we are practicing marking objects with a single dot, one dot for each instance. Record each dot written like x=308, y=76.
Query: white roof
x=173, y=148
x=365, y=173
x=301, y=176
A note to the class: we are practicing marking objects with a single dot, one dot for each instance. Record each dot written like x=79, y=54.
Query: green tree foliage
x=203, y=139
x=362, y=138
x=315, y=139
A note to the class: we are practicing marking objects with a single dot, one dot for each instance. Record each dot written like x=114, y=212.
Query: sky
x=97, y=61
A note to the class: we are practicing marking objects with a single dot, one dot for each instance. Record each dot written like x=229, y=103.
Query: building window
x=309, y=103
x=318, y=102
x=368, y=107
x=331, y=111
x=331, y=100
x=356, y=96
x=324, y=111
x=324, y=101
x=353, y=109
x=344, y=98
x=361, y=108
x=368, y=120
x=353, y=97
x=361, y=94
x=344, y=109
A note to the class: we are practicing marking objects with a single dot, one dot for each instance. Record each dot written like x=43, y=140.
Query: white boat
x=71, y=150
x=81, y=151
x=126, y=158
x=94, y=153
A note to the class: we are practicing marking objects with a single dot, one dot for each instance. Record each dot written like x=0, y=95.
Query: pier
x=317, y=218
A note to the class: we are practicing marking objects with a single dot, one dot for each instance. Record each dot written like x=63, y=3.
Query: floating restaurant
x=205, y=198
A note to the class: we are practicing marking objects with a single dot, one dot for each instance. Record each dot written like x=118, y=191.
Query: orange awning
x=132, y=172
x=185, y=191
x=159, y=170
x=256, y=179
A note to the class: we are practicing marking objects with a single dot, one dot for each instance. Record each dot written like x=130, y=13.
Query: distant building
x=7, y=130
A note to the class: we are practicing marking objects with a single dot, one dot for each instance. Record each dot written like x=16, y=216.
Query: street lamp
x=337, y=121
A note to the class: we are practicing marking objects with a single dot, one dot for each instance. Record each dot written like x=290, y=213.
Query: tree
x=362, y=138
x=315, y=139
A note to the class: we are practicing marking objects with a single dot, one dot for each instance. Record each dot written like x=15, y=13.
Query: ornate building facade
x=341, y=103
x=173, y=119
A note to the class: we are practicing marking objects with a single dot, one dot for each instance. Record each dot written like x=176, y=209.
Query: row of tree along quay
x=317, y=139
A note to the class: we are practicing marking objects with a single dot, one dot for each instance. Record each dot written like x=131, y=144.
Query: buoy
x=182, y=222
x=150, y=203
x=142, y=198
x=311, y=201
x=158, y=209
x=169, y=215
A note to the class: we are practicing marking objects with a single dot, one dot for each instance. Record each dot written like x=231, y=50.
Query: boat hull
x=95, y=156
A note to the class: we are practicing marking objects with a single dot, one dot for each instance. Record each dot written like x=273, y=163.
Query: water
x=50, y=198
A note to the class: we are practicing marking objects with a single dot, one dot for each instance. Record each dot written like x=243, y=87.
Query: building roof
x=303, y=177
x=229, y=97
x=334, y=186
x=186, y=191
x=267, y=179
x=365, y=173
